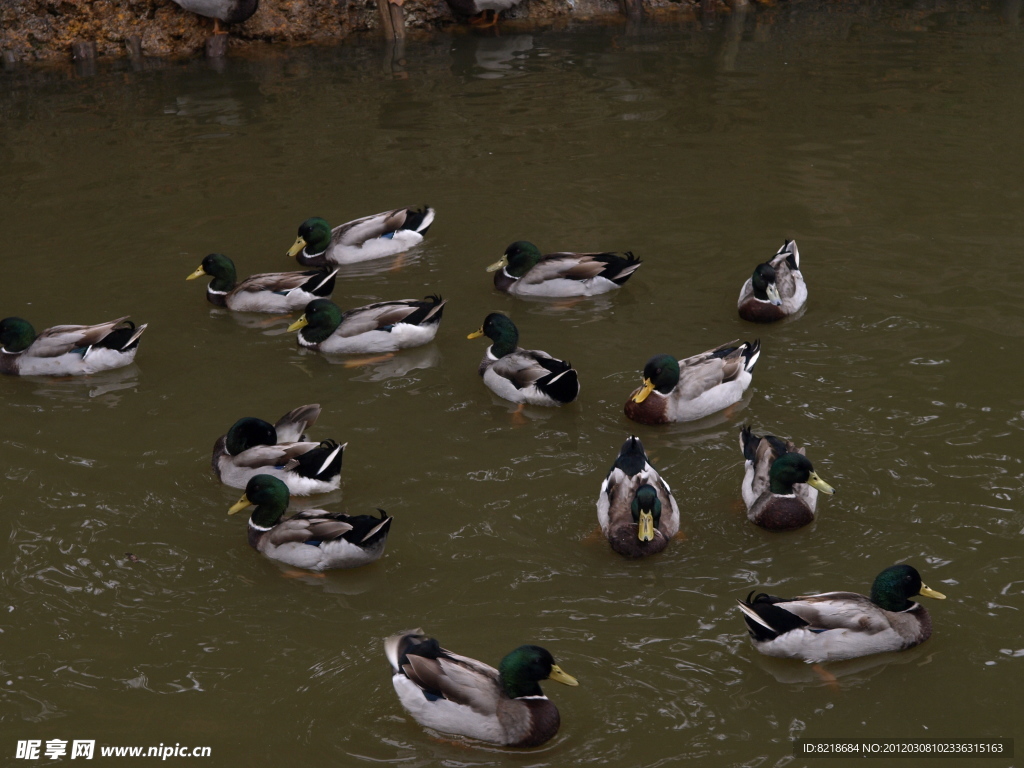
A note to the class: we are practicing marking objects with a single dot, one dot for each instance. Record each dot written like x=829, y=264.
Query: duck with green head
x=520, y=375
x=776, y=290
x=780, y=486
x=455, y=694
x=636, y=509
x=690, y=389
x=842, y=625
x=523, y=271
x=253, y=446
x=67, y=350
x=386, y=326
x=312, y=539
x=277, y=292
x=371, y=237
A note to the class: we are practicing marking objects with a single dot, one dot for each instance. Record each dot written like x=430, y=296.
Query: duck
x=67, y=350
x=780, y=486
x=371, y=237
x=276, y=292
x=312, y=539
x=458, y=695
x=524, y=376
x=695, y=387
x=228, y=11
x=523, y=271
x=636, y=509
x=842, y=625
x=253, y=447
x=776, y=289
x=386, y=326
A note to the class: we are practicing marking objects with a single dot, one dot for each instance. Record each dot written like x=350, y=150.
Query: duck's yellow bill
x=239, y=505
x=645, y=390
x=929, y=592
x=302, y=322
x=816, y=482
x=198, y=273
x=499, y=264
x=561, y=677
x=300, y=243
x=645, y=528
x=476, y=334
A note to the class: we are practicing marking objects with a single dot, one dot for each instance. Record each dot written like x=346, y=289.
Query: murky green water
x=888, y=143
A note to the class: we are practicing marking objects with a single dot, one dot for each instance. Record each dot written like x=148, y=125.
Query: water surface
x=886, y=143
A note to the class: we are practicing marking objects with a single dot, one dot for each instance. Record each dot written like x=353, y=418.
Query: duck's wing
x=292, y=426
x=707, y=370
x=525, y=367
x=359, y=231
x=61, y=339
x=457, y=678
x=283, y=282
x=375, y=317
x=279, y=455
x=309, y=525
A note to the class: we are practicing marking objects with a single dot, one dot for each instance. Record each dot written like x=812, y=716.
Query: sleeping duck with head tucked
x=253, y=447
x=776, y=290
x=67, y=350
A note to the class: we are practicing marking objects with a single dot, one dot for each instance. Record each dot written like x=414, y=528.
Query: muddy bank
x=32, y=30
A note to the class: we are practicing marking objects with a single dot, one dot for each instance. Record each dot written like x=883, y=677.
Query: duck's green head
x=501, y=331
x=321, y=318
x=519, y=258
x=763, y=282
x=269, y=495
x=792, y=468
x=314, y=237
x=220, y=268
x=894, y=587
x=646, y=510
x=16, y=335
x=249, y=432
x=661, y=373
x=527, y=665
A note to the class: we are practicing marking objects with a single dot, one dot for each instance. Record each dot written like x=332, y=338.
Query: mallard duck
x=636, y=508
x=312, y=539
x=523, y=271
x=842, y=625
x=780, y=486
x=383, y=327
x=371, y=237
x=67, y=350
x=253, y=447
x=228, y=11
x=266, y=292
x=776, y=289
x=685, y=390
x=523, y=375
x=456, y=694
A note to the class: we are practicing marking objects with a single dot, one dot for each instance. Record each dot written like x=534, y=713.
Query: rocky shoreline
x=48, y=30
